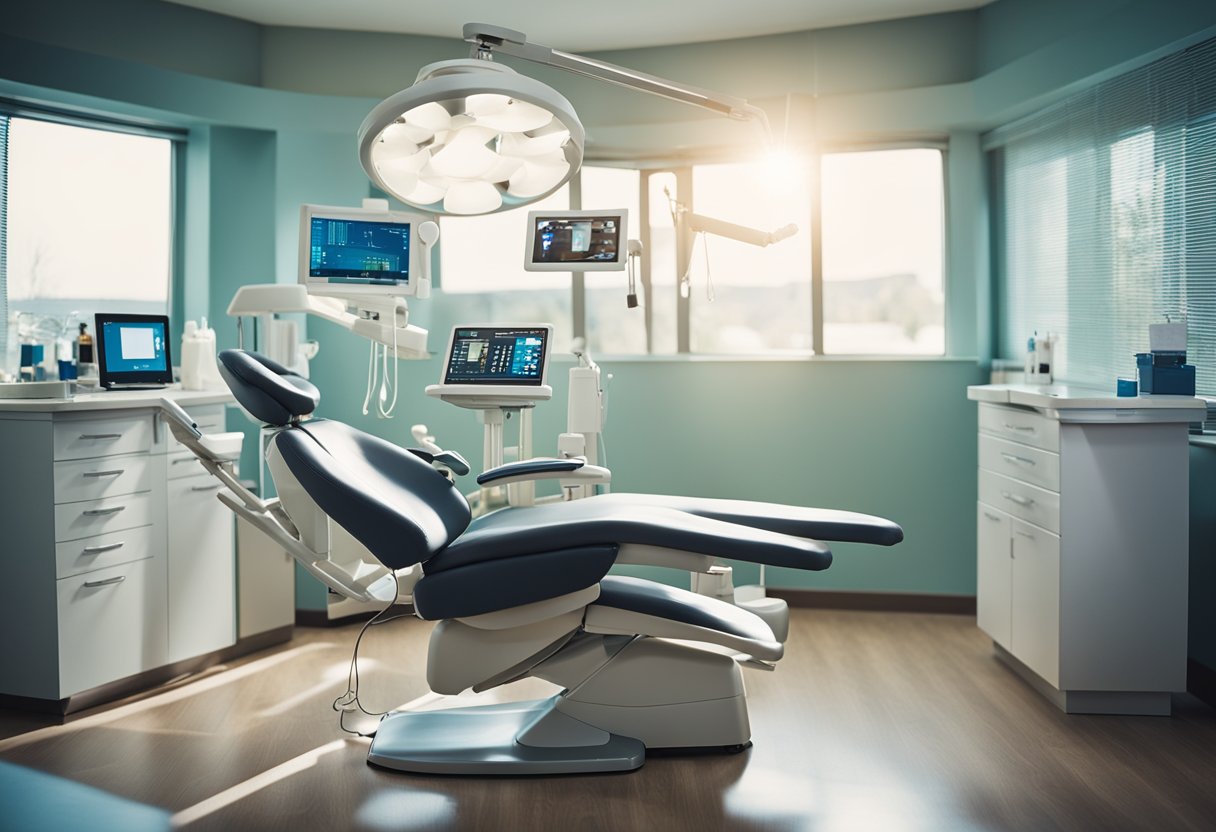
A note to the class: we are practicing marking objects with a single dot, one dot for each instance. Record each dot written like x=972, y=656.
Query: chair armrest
x=543, y=468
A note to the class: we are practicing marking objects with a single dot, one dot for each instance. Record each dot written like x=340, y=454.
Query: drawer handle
x=185, y=459
x=1014, y=498
x=992, y=517
x=101, y=512
x=1024, y=428
x=94, y=474
x=107, y=582
x=101, y=436
x=1025, y=534
x=97, y=550
x=1019, y=460
x=214, y=487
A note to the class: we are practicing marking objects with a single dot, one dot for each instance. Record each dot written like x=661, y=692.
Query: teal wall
x=271, y=114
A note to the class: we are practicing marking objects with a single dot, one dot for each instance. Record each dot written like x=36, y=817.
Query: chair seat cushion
x=595, y=521
x=492, y=585
x=674, y=604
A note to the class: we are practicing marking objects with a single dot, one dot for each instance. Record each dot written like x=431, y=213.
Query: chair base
x=486, y=740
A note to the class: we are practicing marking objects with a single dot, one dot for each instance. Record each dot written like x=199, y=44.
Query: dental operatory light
x=473, y=136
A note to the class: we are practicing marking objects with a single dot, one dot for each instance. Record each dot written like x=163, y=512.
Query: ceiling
x=581, y=25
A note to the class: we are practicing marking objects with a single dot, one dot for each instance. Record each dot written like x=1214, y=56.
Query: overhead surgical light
x=474, y=137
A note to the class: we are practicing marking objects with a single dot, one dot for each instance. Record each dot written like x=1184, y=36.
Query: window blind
x=1107, y=220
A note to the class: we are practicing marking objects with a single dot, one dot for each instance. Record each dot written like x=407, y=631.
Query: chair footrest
x=482, y=740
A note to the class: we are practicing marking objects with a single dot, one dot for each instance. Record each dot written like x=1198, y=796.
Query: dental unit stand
x=584, y=419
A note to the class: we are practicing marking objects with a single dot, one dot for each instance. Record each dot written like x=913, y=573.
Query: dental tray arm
x=571, y=469
x=448, y=459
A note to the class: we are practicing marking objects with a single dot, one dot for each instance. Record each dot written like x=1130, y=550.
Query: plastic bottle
x=191, y=357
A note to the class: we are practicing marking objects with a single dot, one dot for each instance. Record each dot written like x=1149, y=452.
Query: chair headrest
x=269, y=391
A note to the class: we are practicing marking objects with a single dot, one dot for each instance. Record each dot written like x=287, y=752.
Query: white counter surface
x=116, y=400
x=1068, y=402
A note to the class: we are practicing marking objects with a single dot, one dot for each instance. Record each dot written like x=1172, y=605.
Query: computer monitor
x=577, y=241
x=359, y=251
x=133, y=350
x=491, y=365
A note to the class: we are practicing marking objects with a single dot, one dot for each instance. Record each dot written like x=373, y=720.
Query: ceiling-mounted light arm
x=487, y=39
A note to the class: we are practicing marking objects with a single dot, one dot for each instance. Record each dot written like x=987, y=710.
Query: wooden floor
x=873, y=721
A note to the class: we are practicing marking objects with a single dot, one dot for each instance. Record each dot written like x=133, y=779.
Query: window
x=745, y=299
x=611, y=326
x=86, y=218
x=1105, y=218
x=883, y=288
x=482, y=262
x=882, y=264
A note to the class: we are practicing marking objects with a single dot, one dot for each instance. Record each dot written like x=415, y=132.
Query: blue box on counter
x=1164, y=379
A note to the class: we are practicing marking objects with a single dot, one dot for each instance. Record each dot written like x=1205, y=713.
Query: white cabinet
x=1082, y=543
x=994, y=575
x=115, y=565
x=202, y=572
x=1034, y=602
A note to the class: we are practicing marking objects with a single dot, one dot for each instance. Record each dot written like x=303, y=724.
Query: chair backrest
x=391, y=501
x=399, y=507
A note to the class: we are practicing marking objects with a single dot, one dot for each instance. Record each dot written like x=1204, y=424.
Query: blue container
x=67, y=370
x=1174, y=381
x=31, y=354
x=1165, y=381
x=1126, y=388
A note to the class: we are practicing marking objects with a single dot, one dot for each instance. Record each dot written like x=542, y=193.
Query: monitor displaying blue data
x=133, y=350
x=361, y=252
x=497, y=355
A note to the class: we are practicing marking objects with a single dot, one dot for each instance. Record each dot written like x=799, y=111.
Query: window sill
x=806, y=358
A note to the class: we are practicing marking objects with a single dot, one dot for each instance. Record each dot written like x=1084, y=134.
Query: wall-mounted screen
x=359, y=250
x=576, y=241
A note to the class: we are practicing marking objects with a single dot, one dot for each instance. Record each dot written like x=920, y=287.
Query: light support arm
x=695, y=223
x=487, y=39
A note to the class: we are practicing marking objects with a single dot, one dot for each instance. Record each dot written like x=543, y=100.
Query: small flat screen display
x=134, y=349
x=577, y=239
x=359, y=251
x=484, y=355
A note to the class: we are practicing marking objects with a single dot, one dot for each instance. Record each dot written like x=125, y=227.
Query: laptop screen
x=497, y=355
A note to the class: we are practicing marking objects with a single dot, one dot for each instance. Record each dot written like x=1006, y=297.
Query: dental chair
x=525, y=592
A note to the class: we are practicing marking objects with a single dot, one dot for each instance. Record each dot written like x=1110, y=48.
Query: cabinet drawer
x=92, y=479
x=76, y=557
x=184, y=464
x=1025, y=426
x=1021, y=462
x=107, y=436
x=1027, y=502
x=76, y=520
x=111, y=624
